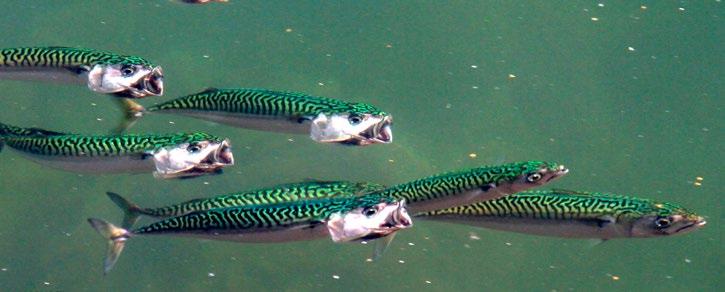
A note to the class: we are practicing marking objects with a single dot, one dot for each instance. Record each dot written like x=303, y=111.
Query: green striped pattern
x=264, y=102
x=64, y=57
x=8, y=131
x=93, y=146
x=453, y=183
x=274, y=195
x=260, y=216
x=563, y=205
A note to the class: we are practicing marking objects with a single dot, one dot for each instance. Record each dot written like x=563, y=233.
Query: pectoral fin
x=381, y=245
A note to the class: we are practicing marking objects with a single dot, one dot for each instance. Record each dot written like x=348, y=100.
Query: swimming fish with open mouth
x=103, y=72
x=326, y=120
x=571, y=214
x=172, y=155
x=473, y=185
x=342, y=219
x=273, y=195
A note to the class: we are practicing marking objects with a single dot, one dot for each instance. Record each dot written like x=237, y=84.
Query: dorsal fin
x=571, y=192
x=208, y=89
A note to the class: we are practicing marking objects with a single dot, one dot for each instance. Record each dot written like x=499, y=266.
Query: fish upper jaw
x=380, y=133
x=558, y=172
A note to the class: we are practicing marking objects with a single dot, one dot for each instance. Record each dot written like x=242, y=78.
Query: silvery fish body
x=103, y=72
x=326, y=120
x=572, y=214
x=341, y=219
x=168, y=156
x=474, y=185
x=272, y=195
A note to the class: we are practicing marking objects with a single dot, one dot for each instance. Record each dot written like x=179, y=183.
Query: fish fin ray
x=132, y=112
x=382, y=245
x=131, y=211
x=571, y=192
x=116, y=237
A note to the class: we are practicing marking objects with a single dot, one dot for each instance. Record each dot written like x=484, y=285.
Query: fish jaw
x=177, y=162
x=117, y=79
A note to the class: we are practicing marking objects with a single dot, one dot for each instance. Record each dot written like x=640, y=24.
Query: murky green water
x=629, y=98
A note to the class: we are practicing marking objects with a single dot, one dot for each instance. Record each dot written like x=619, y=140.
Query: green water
x=646, y=120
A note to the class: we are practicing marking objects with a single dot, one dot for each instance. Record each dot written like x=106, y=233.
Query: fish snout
x=223, y=155
x=401, y=218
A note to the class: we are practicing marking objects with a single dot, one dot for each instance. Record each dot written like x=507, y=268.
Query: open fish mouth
x=399, y=219
x=380, y=133
x=151, y=85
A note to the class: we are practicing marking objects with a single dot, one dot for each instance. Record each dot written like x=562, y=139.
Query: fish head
x=353, y=128
x=127, y=79
x=532, y=174
x=193, y=157
x=369, y=221
x=665, y=219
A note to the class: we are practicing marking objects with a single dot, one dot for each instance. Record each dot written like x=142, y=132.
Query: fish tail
x=131, y=211
x=116, y=237
x=132, y=111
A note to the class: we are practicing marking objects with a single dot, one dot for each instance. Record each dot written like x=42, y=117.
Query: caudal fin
x=132, y=111
x=131, y=211
x=116, y=237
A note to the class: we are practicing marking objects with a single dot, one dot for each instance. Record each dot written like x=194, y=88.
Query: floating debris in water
x=473, y=236
x=411, y=244
x=600, y=4
x=688, y=260
x=401, y=261
x=210, y=274
x=473, y=155
x=427, y=282
x=511, y=76
x=595, y=19
x=474, y=66
x=631, y=49
x=698, y=181
x=681, y=9
x=643, y=7
x=615, y=278
x=335, y=277
x=289, y=29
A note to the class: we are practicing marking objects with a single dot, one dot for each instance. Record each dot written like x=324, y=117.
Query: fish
x=103, y=72
x=342, y=219
x=272, y=195
x=325, y=120
x=473, y=185
x=179, y=155
x=574, y=214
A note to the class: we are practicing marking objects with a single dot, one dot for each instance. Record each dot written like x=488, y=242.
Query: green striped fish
x=277, y=194
x=474, y=185
x=104, y=72
x=172, y=156
x=326, y=120
x=342, y=219
x=574, y=215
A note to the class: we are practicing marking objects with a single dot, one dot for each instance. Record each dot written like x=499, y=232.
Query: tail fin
x=131, y=211
x=132, y=111
x=116, y=240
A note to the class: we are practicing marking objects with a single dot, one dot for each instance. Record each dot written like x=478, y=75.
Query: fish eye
x=662, y=222
x=354, y=120
x=127, y=71
x=193, y=148
x=534, y=177
x=370, y=211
